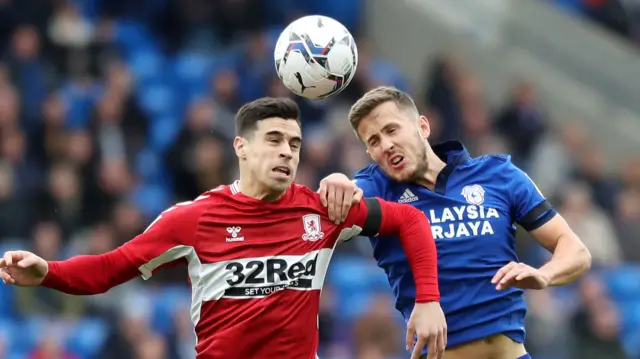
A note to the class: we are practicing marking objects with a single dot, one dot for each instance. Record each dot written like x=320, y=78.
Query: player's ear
x=240, y=146
x=424, y=127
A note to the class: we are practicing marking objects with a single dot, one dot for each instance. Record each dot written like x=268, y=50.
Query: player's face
x=272, y=152
x=396, y=141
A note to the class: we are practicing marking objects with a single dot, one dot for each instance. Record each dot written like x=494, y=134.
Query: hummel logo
x=233, y=231
x=407, y=197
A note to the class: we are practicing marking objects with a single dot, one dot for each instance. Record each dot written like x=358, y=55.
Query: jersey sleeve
x=170, y=237
x=366, y=217
x=367, y=184
x=529, y=207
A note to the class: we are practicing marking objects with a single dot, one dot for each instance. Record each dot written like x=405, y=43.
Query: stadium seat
x=87, y=337
x=355, y=279
x=164, y=132
x=623, y=283
x=7, y=309
x=192, y=66
x=146, y=65
x=150, y=199
x=167, y=302
x=131, y=35
x=157, y=100
x=148, y=165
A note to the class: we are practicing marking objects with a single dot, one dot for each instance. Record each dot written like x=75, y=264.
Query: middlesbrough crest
x=312, y=229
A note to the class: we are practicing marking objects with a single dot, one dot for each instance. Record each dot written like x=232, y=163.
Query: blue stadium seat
x=192, y=66
x=355, y=280
x=150, y=199
x=345, y=11
x=88, y=337
x=148, y=165
x=146, y=64
x=30, y=330
x=131, y=35
x=167, y=302
x=623, y=282
x=7, y=298
x=157, y=100
x=164, y=131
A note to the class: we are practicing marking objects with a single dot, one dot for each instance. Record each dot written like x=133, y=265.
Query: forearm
x=90, y=274
x=414, y=231
x=570, y=260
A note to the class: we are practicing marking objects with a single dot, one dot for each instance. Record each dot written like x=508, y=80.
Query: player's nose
x=386, y=144
x=286, y=153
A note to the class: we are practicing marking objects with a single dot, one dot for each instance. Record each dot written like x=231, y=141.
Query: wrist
x=547, y=275
x=428, y=298
x=49, y=279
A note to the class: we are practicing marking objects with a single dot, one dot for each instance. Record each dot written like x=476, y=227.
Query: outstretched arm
x=378, y=217
x=90, y=274
x=427, y=322
x=169, y=238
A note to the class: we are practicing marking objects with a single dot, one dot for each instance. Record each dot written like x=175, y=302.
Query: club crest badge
x=312, y=230
x=473, y=194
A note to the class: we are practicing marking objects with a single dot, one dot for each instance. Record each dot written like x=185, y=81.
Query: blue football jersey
x=473, y=211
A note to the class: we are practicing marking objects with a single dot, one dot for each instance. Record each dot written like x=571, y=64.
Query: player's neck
x=257, y=190
x=435, y=167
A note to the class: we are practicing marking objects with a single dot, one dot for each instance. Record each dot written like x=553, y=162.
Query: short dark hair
x=251, y=113
x=376, y=97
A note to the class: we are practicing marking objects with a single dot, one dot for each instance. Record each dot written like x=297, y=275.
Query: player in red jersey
x=257, y=251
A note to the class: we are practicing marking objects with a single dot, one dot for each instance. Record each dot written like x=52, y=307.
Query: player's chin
x=281, y=181
x=400, y=174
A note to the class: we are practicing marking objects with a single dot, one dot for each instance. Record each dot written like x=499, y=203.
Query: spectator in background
x=30, y=74
x=628, y=224
x=597, y=325
x=554, y=159
x=591, y=224
x=522, y=123
x=378, y=328
x=15, y=213
x=591, y=171
x=442, y=96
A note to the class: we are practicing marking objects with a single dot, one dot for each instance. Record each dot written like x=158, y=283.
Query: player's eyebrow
x=277, y=133
x=371, y=138
x=388, y=125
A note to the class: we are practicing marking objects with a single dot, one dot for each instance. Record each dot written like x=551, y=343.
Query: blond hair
x=376, y=97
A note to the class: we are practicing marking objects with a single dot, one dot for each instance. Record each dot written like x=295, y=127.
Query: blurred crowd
x=112, y=110
x=621, y=17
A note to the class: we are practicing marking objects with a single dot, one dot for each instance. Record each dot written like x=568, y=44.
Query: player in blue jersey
x=474, y=205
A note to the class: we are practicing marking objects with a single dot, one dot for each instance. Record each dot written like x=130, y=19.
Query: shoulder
x=200, y=204
x=492, y=164
x=371, y=172
x=195, y=207
x=373, y=181
x=305, y=196
x=494, y=159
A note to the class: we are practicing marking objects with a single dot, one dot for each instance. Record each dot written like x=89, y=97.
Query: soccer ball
x=316, y=57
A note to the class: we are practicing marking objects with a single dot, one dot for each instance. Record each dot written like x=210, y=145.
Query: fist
x=23, y=268
x=521, y=276
x=338, y=194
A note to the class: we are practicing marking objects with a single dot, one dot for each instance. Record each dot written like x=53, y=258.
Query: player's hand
x=338, y=194
x=427, y=322
x=521, y=276
x=23, y=268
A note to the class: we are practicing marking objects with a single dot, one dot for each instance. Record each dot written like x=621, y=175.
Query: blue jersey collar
x=453, y=153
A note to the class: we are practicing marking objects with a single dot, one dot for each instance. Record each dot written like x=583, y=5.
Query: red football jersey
x=256, y=268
